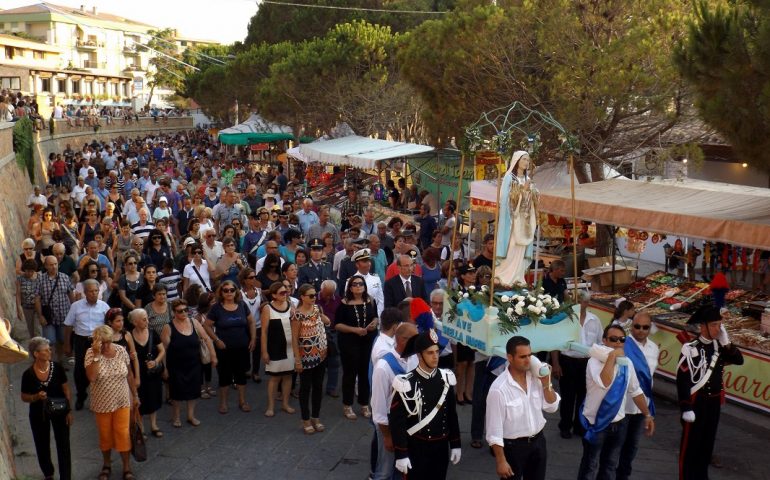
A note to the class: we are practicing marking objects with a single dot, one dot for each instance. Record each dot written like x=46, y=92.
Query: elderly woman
x=230, y=323
x=44, y=384
x=182, y=339
x=309, y=343
x=130, y=281
x=150, y=354
x=159, y=313
x=229, y=264
x=113, y=392
x=28, y=253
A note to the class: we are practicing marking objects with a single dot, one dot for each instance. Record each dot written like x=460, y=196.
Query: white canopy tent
x=356, y=151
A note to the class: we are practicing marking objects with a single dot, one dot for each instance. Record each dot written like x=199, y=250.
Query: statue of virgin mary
x=516, y=221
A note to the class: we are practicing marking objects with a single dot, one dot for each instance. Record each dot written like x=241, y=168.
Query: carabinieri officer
x=701, y=392
x=423, y=414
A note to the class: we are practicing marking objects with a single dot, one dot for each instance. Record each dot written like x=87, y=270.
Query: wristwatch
x=97, y=358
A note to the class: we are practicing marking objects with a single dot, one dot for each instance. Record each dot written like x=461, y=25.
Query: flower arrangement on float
x=514, y=309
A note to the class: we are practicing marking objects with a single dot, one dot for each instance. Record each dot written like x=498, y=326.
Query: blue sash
x=394, y=364
x=609, y=407
x=643, y=373
x=494, y=363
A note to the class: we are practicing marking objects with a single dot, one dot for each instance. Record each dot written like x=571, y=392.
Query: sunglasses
x=93, y=270
x=251, y=277
x=617, y=339
x=180, y=310
x=356, y=284
x=130, y=263
x=641, y=327
x=310, y=295
x=198, y=252
x=228, y=290
x=28, y=248
x=156, y=237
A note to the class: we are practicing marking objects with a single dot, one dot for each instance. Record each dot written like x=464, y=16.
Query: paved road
x=249, y=446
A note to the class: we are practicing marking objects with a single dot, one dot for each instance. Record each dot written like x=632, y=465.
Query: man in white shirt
x=514, y=417
x=383, y=373
x=643, y=353
x=79, y=191
x=363, y=262
x=212, y=248
x=569, y=366
x=610, y=380
x=37, y=198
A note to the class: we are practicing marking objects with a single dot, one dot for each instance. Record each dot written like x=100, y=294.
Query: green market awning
x=359, y=152
x=255, y=130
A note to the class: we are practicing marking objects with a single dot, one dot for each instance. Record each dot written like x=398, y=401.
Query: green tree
x=278, y=23
x=349, y=75
x=602, y=68
x=165, y=68
x=726, y=57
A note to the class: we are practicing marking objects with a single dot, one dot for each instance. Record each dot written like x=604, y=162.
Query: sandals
x=193, y=421
x=317, y=425
x=156, y=433
x=223, y=409
x=288, y=410
x=269, y=413
x=176, y=423
x=348, y=412
x=245, y=407
x=307, y=427
x=212, y=391
x=366, y=412
x=205, y=393
x=128, y=475
x=104, y=474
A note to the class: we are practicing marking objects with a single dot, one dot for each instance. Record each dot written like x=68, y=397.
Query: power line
x=356, y=9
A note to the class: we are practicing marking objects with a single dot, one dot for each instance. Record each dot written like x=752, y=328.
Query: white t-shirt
x=595, y=390
x=446, y=238
x=193, y=278
x=651, y=353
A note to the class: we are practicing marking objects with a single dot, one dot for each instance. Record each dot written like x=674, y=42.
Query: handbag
x=46, y=309
x=138, y=447
x=158, y=365
x=205, y=354
x=54, y=406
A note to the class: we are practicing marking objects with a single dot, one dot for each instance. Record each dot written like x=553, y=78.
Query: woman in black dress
x=182, y=338
x=46, y=379
x=356, y=321
x=150, y=353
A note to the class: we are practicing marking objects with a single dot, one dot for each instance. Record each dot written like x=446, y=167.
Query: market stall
x=255, y=130
x=705, y=210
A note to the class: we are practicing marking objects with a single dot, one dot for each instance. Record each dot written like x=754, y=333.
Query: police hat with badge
x=316, y=244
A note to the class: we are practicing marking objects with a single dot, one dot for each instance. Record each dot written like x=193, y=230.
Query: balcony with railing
x=129, y=48
x=93, y=64
x=88, y=44
x=135, y=68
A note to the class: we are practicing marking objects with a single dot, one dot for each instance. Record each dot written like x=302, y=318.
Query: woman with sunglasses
x=230, y=324
x=162, y=226
x=43, y=231
x=356, y=321
x=197, y=271
x=150, y=354
x=89, y=227
x=310, y=349
x=277, y=350
x=157, y=249
x=182, y=340
x=146, y=294
x=290, y=273
x=93, y=271
x=229, y=231
x=130, y=281
x=270, y=273
x=229, y=264
x=252, y=297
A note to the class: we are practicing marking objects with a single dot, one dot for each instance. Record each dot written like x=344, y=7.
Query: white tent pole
x=686, y=247
x=537, y=256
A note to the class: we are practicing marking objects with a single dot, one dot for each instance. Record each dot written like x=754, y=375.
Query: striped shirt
x=142, y=231
x=170, y=281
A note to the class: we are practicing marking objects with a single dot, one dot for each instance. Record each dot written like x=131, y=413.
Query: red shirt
x=59, y=168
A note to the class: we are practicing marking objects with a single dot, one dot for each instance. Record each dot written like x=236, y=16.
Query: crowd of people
x=151, y=263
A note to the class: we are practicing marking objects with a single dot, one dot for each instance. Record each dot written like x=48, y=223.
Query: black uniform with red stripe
x=698, y=437
x=428, y=448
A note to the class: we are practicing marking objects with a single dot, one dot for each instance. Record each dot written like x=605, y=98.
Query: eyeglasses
x=228, y=290
x=357, y=284
x=641, y=327
x=614, y=339
x=180, y=310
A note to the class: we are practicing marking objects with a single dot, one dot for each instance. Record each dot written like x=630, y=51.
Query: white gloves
x=454, y=456
x=688, y=416
x=403, y=465
x=722, y=336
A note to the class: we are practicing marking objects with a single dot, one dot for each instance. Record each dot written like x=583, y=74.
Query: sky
x=224, y=21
